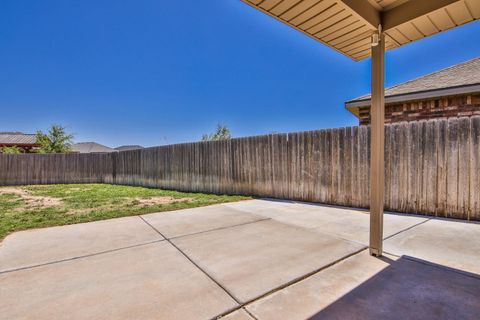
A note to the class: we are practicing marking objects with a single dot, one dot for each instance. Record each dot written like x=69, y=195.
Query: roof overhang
x=347, y=25
x=354, y=105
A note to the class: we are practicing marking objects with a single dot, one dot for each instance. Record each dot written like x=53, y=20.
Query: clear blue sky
x=153, y=72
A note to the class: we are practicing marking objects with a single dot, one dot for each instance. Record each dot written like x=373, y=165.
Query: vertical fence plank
x=354, y=169
x=452, y=168
x=334, y=163
x=390, y=175
x=430, y=169
x=411, y=133
x=364, y=166
x=400, y=134
x=463, y=168
x=325, y=175
x=441, y=137
x=475, y=169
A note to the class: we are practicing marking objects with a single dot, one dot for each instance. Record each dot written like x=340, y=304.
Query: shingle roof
x=460, y=75
x=128, y=147
x=17, y=138
x=91, y=147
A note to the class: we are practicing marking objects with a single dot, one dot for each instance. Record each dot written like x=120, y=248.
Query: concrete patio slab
x=455, y=244
x=153, y=281
x=190, y=221
x=347, y=223
x=287, y=260
x=40, y=246
x=252, y=259
x=364, y=287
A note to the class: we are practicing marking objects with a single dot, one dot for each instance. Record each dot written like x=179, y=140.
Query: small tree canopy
x=222, y=133
x=11, y=150
x=55, y=141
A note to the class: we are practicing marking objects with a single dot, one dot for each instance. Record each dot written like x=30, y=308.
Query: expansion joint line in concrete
x=288, y=284
x=216, y=229
x=249, y=313
x=194, y=263
x=80, y=257
x=406, y=229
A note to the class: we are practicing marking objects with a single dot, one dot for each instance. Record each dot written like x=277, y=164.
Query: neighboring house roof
x=458, y=79
x=128, y=147
x=91, y=147
x=17, y=138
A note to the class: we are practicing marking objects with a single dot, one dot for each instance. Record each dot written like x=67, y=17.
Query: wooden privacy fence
x=432, y=167
x=26, y=169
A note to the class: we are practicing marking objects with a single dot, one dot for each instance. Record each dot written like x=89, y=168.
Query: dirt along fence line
x=432, y=167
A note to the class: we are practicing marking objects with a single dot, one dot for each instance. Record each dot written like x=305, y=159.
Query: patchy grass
x=28, y=207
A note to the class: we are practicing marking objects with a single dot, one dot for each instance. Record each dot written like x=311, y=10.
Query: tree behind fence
x=432, y=167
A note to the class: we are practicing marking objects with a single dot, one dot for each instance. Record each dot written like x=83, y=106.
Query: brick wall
x=445, y=107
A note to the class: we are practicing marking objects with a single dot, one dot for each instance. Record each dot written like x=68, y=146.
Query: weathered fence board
x=54, y=168
x=474, y=169
x=432, y=167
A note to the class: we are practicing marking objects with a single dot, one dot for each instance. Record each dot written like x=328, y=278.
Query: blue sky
x=155, y=72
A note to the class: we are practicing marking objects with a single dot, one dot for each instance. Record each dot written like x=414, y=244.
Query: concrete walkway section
x=258, y=259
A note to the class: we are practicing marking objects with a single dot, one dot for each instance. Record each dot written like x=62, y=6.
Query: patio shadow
x=410, y=288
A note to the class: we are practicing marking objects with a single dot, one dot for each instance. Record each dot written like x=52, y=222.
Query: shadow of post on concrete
x=410, y=288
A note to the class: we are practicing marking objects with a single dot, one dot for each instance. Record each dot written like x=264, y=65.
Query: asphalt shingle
x=463, y=74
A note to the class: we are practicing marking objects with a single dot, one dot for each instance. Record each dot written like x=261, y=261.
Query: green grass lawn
x=27, y=207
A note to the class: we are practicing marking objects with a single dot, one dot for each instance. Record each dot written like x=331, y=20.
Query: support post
x=377, y=131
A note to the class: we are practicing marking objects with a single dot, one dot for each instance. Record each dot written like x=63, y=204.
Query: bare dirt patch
x=158, y=201
x=31, y=200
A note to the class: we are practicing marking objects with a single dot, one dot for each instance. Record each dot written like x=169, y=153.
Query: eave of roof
x=347, y=25
x=419, y=95
x=354, y=106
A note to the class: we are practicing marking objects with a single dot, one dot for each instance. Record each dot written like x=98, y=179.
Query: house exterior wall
x=443, y=107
